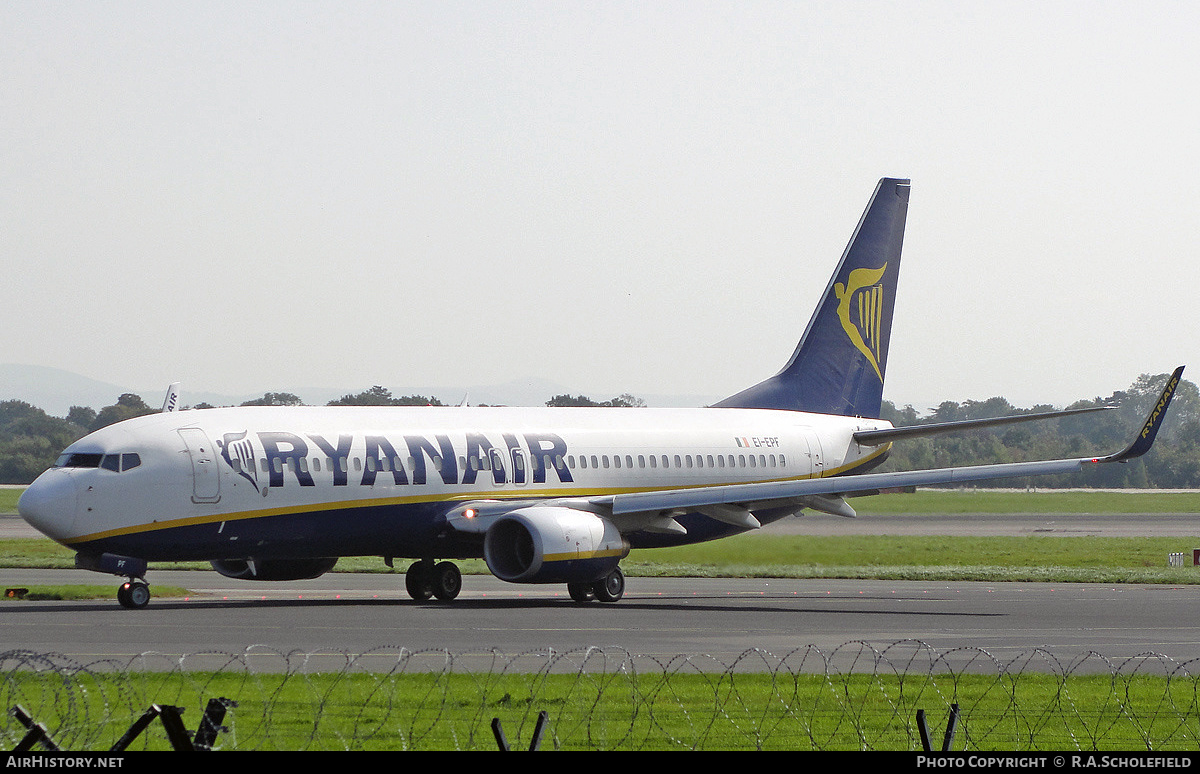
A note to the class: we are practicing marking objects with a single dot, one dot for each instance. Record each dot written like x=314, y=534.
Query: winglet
x=1145, y=438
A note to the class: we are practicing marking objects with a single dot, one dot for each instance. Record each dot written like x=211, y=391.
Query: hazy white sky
x=641, y=197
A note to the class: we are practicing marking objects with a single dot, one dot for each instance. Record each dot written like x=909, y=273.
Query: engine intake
x=552, y=544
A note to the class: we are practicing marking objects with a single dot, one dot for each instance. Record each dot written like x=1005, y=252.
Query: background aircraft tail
x=839, y=365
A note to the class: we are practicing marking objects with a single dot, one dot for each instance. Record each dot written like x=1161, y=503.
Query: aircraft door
x=206, y=480
x=816, y=460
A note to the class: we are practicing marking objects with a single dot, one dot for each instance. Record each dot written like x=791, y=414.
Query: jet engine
x=552, y=544
x=273, y=569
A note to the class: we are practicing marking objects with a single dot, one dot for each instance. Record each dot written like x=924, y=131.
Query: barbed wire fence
x=857, y=696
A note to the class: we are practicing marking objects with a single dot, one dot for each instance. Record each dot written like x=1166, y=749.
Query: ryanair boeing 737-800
x=544, y=495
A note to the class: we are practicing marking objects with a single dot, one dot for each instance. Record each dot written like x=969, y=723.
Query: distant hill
x=55, y=391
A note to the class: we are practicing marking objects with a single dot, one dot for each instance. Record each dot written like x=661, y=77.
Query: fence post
x=498, y=732
x=210, y=724
x=538, y=730
x=36, y=733
x=947, y=739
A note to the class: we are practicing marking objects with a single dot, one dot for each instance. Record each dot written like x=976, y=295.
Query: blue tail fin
x=839, y=364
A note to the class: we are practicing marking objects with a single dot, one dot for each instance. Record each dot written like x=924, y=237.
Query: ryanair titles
x=269, y=458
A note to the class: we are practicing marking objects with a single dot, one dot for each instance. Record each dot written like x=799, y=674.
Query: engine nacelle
x=273, y=569
x=552, y=544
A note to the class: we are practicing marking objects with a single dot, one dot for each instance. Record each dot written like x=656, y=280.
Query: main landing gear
x=610, y=588
x=134, y=594
x=425, y=579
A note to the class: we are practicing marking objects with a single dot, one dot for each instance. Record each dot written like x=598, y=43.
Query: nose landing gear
x=134, y=594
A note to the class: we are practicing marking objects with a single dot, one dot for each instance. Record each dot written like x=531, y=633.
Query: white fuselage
x=231, y=482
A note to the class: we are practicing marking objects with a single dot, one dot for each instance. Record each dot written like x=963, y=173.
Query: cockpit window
x=114, y=462
x=78, y=460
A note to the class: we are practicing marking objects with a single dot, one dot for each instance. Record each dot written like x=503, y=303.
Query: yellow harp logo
x=860, y=308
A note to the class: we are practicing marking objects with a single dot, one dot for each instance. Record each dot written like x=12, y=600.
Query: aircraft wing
x=777, y=494
x=734, y=503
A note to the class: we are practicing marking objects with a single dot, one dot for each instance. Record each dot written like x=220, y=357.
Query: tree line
x=30, y=439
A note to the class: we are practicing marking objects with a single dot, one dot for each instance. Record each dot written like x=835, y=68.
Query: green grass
x=1016, y=558
x=74, y=592
x=970, y=501
x=1029, y=559
x=644, y=710
x=8, y=500
x=953, y=501
x=682, y=710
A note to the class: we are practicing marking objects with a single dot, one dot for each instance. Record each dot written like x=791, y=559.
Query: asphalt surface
x=753, y=624
x=725, y=620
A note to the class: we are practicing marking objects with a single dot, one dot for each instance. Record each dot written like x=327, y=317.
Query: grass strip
x=629, y=710
x=1027, y=558
x=973, y=501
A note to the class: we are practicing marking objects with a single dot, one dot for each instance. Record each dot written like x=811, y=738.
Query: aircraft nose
x=48, y=504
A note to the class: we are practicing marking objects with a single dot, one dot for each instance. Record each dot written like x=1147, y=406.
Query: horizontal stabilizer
x=879, y=437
